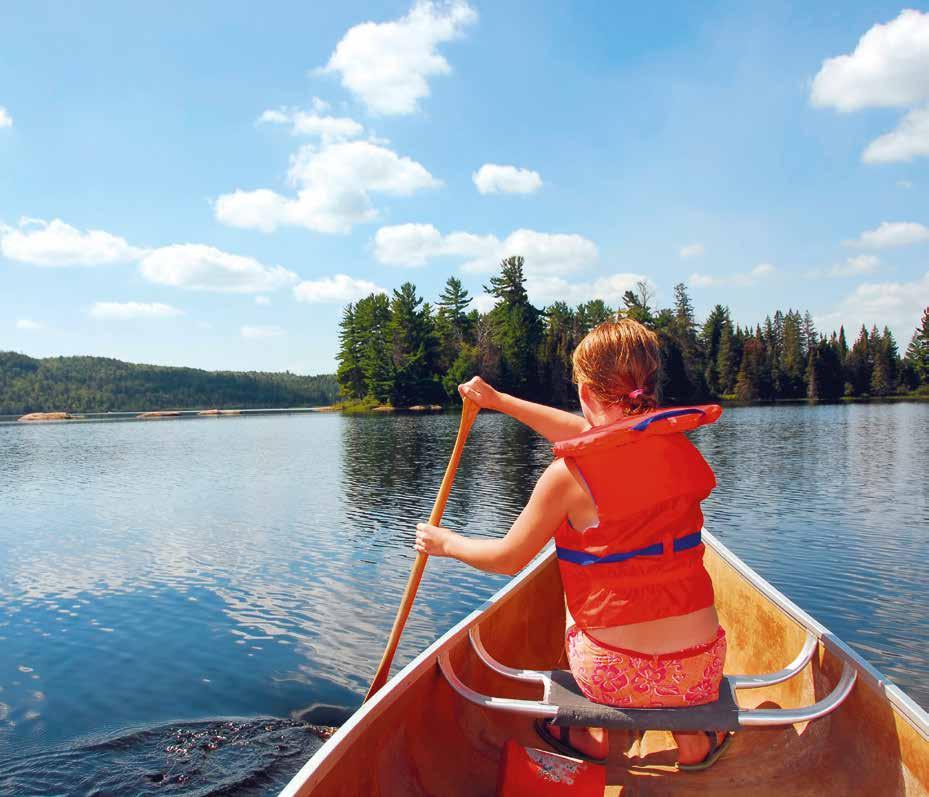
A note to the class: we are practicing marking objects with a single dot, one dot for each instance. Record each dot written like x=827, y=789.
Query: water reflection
x=251, y=567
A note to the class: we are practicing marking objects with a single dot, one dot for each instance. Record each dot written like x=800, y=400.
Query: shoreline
x=362, y=408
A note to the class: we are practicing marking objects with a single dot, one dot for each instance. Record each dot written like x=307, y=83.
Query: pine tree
x=917, y=353
x=711, y=335
x=372, y=319
x=842, y=345
x=858, y=365
x=825, y=376
x=558, y=343
x=412, y=349
x=793, y=357
x=453, y=309
x=350, y=375
x=880, y=378
x=591, y=314
x=682, y=352
x=750, y=384
x=636, y=304
x=517, y=329
x=808, y=333
x=454, y=325
x=728, y=358
x=812, y=377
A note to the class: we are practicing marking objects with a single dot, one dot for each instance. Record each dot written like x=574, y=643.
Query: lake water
x=179, y=598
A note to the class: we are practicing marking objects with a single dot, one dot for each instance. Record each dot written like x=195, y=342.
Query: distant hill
x=101, y=384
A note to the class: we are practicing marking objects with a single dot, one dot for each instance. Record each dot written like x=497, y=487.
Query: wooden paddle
x=468, y=413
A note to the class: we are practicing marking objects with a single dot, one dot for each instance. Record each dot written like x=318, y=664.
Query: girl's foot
x=588, y=744
x=699, y=750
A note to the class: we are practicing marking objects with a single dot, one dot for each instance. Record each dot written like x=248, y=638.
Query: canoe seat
x=564, y=704
x=575, y=709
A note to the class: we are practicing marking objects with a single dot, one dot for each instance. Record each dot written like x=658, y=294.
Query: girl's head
x=616, y=367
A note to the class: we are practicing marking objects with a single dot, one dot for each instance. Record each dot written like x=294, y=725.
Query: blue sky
x=207, y=184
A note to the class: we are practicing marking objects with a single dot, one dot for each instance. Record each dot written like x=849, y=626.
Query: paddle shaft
x=468, y=414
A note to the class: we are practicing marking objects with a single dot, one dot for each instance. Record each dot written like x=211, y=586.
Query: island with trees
x=101, y=384
x=399, y=351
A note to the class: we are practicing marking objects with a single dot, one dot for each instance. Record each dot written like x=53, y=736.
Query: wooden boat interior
x=421, y=736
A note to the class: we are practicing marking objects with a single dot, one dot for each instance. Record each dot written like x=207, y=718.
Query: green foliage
x=350, y=375
x=462, y=369
x=407, y=353
x=100, y=384
x=917, y=353
x=516, y=330
x=413, y=349
x=372, y=319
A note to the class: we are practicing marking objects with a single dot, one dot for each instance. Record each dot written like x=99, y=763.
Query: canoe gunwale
x=908, y=707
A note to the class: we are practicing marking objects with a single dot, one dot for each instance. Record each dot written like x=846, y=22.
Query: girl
x=622, y=499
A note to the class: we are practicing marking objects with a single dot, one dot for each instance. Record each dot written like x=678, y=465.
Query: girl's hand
x=432, y=540
x=482, y=394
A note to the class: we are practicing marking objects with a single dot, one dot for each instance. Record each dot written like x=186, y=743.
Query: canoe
x=438, y=727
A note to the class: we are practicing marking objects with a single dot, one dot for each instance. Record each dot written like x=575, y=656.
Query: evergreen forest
x=100, y=384
x=402, y=351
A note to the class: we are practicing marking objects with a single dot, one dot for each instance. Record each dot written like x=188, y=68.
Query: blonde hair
x=621, y=361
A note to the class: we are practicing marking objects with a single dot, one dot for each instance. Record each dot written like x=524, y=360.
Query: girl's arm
x=534, y=527
x=552, y=424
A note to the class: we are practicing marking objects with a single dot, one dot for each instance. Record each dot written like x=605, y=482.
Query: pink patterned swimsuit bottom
x=620, y=677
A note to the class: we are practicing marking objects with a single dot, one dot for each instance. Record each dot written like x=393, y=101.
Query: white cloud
x=890, y=234
x=493, y=178
x=898, y=305
x=387, y=64
x=204, y=268
x=28, y=325
x=6, y=120
x=261, y=209
x=131, y=311
x=337, y=288
x=334, y=185
x=909, y=140
x=546, y=254
x=56, y=244
x=691, y=250
x=889, y=68
x=326, y=128
x=262, y=300
x=610, y=289
x=852, y=267
x=759, y=272
x=261, y=333
x=860, y=264
x=484, y=302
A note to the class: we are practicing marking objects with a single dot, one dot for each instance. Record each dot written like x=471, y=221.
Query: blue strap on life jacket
x=643, y=425
x=684, y=543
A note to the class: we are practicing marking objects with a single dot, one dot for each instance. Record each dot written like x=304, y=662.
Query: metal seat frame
x=753, y=717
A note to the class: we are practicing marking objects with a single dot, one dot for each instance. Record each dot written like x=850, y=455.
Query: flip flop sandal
x=543, y=729
x=716, y=752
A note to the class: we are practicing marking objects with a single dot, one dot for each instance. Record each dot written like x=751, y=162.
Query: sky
x=208, y=184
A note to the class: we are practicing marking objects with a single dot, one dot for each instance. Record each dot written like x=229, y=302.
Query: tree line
x=402, y=351
x=100, y=384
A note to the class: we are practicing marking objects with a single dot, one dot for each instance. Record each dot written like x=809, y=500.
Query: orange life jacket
x=643, y=560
